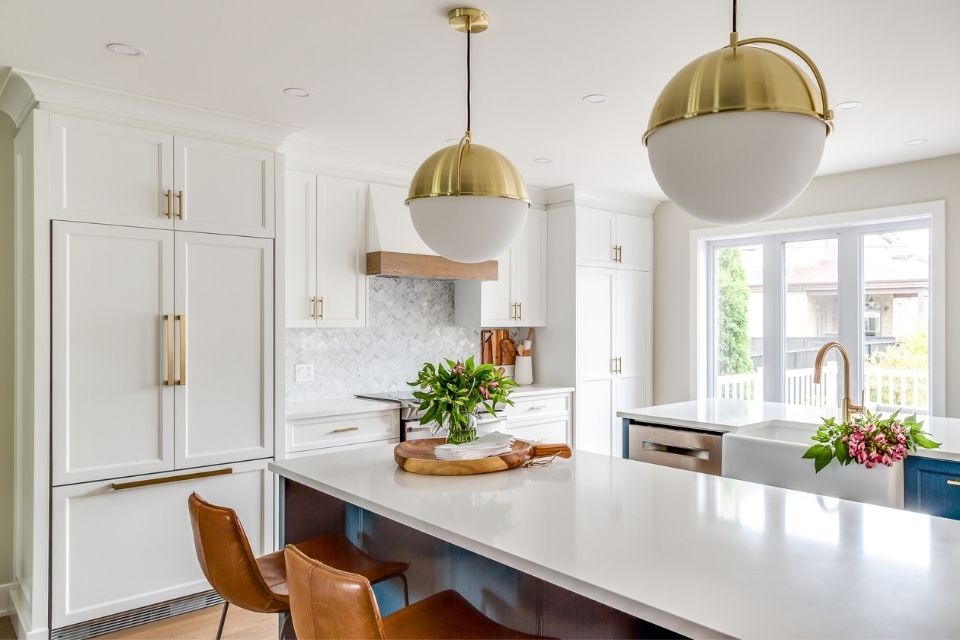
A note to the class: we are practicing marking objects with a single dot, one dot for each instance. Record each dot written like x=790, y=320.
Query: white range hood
x=395, y=249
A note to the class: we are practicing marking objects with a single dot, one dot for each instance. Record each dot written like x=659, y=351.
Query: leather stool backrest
x=327, y=603
x=227, y=560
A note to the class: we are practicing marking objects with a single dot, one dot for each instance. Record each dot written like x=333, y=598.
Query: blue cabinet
x=932, y=486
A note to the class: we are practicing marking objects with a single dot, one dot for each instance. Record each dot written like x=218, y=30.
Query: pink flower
x=459, y=368
x=493, y=384
x=484, y=393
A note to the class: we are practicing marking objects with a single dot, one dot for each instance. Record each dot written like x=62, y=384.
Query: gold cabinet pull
x=613, y=365
x=513, y=311
x=346, y=429
x=320, y=303
x=170, y=203
x=954, y=483
x=168, y=326
x=519, y=311
x=619, y=364
x=313, y=308
x=149, y=482
x=181, y=205
x=183, y=350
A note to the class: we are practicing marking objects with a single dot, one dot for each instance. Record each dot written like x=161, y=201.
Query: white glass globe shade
x=469, y=228
x=736, y=167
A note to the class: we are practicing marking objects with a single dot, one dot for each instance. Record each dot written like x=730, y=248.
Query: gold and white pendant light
x=737, y=134
x=468, y=202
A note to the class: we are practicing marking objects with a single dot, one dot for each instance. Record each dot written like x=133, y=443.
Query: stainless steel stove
x=410, y=427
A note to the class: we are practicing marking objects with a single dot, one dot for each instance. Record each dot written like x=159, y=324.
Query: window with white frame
x=773, y=299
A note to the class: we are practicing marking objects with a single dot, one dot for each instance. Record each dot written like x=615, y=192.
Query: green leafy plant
x=733, y=298
x=868, y=439
x=450, y=395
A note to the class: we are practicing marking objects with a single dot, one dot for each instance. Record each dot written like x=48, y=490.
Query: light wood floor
x=202, y=625
x=196, y=625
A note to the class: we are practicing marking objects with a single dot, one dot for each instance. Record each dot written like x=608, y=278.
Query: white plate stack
x=491, y=444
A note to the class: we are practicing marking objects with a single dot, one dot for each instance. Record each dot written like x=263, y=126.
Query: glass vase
x=462, y=434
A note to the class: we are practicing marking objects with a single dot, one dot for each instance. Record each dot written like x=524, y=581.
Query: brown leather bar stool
x=329, y=603
x=260, y=584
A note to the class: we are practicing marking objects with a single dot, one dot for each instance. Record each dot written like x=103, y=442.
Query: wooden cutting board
x=416, y=456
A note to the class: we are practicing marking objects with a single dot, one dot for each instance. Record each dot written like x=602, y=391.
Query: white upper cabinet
x=110, y=174
x=113, y=315
x=300, y=248
x=341, y=255
x=609, y=239
x=223, y=188
x=518, y=297
x=325, y=251
x=117, y=174
x=224, y=356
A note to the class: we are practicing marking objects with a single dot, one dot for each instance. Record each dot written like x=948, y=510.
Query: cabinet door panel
x=497, y=296
x=224, y=300
x=341, y=260
x=227, y=188
x=595, y=290
x=635, y=237
x=109, y=174
x=596, y=236
x=631, y=319
x=930, y=486
x=594, y=426
x=531, y=271
x=112, y=415
x=113, y=551
x=300, y=248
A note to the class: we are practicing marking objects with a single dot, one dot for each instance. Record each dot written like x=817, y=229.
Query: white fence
x=887, y=389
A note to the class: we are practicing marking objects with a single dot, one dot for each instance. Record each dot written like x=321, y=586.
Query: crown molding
x=605, y=200
x=21, y=91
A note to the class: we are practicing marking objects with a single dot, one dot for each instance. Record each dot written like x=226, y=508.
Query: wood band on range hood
x=413, y=265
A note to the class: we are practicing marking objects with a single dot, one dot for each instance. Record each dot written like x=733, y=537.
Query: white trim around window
x=933, y=213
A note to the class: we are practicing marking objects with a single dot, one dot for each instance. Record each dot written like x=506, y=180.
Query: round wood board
x=416, y=456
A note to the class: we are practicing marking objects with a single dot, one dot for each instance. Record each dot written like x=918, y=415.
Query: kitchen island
x=555, y=549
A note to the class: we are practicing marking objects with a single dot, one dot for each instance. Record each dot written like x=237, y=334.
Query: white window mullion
x=773, y=288
x=850, y=307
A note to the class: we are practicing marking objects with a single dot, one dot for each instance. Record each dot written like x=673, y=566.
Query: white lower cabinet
x=322, y=432
x=552, y=431
x=116, y=550
x=541, y=417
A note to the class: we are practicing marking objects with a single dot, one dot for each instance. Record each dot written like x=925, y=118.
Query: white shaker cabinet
x=117, y=174
x=223, y=188
x=113, y=315
x=613, y=352
x=518, y=297
x=224, y=355
x=110, y=173
x=610, y=239
x=326, y=284
x=116, y=549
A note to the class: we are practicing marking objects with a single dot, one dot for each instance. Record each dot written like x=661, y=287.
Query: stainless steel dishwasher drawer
x=680, y=448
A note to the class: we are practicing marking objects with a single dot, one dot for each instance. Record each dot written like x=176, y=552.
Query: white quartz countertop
x=740, y=416
x=306, y=409
x=698, y=554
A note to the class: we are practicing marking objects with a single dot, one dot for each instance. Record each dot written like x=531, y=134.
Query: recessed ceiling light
x=453, y=139
x=595, y=98
x=849, y=105
x=296, y=92
x=542, y=160
x=914, y=142
x=125, y=49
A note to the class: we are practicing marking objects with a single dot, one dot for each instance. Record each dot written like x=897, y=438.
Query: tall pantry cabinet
x=146, y=320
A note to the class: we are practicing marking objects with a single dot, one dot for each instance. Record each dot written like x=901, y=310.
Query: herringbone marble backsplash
x=409, y=322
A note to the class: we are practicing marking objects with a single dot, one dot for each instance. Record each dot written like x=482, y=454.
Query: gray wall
x=408, y=322
x=7, y=133
x=925, y=180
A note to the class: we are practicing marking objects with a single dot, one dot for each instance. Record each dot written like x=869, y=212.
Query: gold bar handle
x=519, y=311
x=613, y=365
x=181, y=205
x=149, y=482
x=168, y=323
x=513, y=311
x=346, y=429
x=619, y=364
x=313, y=308
x=183, y=350
x=953, y=483
x=170, y=203
x=320, y=313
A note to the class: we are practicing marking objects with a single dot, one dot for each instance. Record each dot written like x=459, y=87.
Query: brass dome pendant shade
x=467, y=201
x=737, y=134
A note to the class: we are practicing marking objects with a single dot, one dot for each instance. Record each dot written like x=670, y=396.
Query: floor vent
x=136, y=617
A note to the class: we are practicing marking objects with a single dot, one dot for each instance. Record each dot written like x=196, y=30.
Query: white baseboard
x=6, y=605
x=20, y=615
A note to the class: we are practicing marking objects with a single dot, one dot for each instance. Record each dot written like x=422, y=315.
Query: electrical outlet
x=303, y=373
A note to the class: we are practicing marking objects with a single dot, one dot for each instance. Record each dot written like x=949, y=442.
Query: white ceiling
x=388, y=83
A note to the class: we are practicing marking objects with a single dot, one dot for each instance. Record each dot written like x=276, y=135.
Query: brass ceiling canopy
x=467, y=169
x=741, y=77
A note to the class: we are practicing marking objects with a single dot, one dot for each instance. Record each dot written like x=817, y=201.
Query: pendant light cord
x=734, y=16
x=468, y=76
